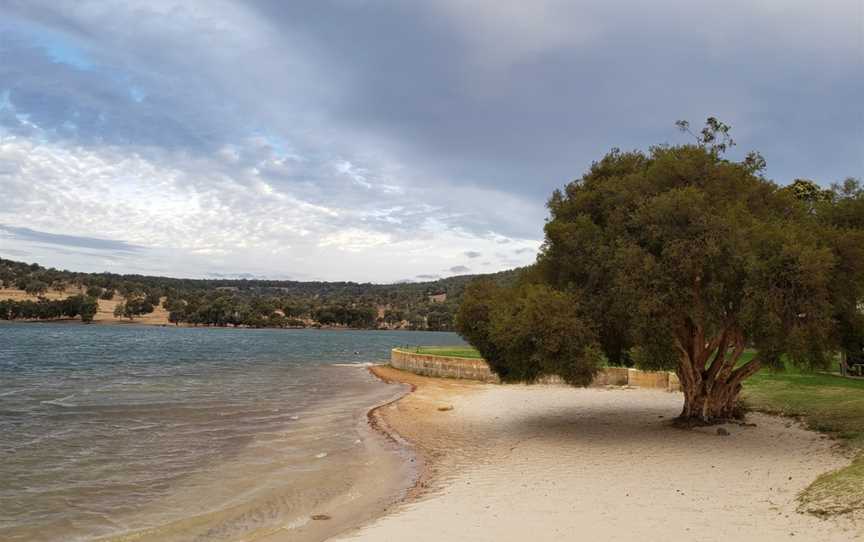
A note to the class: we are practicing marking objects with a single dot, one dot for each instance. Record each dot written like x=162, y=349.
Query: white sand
x=555, y=463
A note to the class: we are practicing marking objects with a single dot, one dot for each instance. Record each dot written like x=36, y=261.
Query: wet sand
x=375, y=484
x=552, y=463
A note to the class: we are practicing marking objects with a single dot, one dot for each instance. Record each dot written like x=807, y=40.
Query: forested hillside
x=239, y=302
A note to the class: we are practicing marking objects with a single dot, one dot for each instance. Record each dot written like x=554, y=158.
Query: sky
x=377, y=140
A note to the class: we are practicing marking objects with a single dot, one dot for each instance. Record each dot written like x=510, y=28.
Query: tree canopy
x=262, y=302
x=679, y=258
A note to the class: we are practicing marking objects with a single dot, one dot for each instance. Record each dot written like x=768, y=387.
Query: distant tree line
x=45, y=309
x=258, y=303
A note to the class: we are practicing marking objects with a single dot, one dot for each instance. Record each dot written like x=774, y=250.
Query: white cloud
x=354, y=239
x=203, y=215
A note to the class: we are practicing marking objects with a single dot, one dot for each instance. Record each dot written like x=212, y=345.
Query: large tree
x=682, y=259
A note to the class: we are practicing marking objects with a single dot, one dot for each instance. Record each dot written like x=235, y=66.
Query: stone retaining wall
x=478, y=369
x=442, y=366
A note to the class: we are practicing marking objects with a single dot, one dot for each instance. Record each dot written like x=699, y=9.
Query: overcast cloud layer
x=382, y=140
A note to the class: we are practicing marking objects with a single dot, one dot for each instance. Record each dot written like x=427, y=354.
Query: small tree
x=132, y=307
x=530, y=331
x=808, y=192
x=84, y=306
x=36, y=288
x=89, y=308
x=94, y=291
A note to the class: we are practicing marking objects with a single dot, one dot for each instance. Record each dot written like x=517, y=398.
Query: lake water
x=147, y=433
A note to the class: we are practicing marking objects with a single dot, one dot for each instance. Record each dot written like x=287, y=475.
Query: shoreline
x=391, y=455
x=118, y=322
x=497, y=460
x=425, y=458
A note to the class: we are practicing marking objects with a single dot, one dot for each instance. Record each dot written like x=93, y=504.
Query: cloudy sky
x=380, y=140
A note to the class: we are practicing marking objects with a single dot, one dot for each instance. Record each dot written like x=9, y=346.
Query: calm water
x=181, y=434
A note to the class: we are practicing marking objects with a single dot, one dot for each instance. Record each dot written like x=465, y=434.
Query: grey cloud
x=523, y=124
x=428, y=277
x=538, y=122
x=26, y=234
x=472, y=254
x=459, y=269
x=523, y=250
x=459, y=117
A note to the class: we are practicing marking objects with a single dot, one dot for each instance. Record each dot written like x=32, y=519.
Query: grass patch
x=829, y=404
x=451, y=351
x=838, y=492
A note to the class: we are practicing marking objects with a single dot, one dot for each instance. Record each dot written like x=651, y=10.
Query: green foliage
x=346, y=315
x=44, y=309
x=85, y=306
x=808, y=191
x=95, y=291
x=36, y=287
x=842, y=215
x=393, y=317
x=439, y=318
x=655, y=355
x=88, y=309
x=132, y=307
x=474, y=317
x=530, y=331
x=680, y=239
x=714, y=136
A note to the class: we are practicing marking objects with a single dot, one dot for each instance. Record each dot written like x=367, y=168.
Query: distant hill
x=252, y=302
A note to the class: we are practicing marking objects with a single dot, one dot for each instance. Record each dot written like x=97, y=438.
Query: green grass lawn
x=827, y=403
x=452, y=351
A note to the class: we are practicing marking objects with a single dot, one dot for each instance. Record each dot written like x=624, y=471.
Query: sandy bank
x=556, y=463
x=105, y=313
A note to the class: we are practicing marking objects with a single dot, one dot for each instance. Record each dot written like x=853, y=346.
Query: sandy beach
x=555, y=463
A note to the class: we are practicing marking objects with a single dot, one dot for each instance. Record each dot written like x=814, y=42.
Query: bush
x=95, y=291
x=36, y=287
x=530, y=331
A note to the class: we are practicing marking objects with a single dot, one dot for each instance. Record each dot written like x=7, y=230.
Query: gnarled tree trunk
x=709, y=377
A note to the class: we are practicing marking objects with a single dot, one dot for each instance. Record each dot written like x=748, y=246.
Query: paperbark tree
x=686, y=260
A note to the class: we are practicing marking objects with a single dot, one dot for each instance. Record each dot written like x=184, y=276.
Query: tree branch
x=745, y=371
x=729, y=364
x=720, y=356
